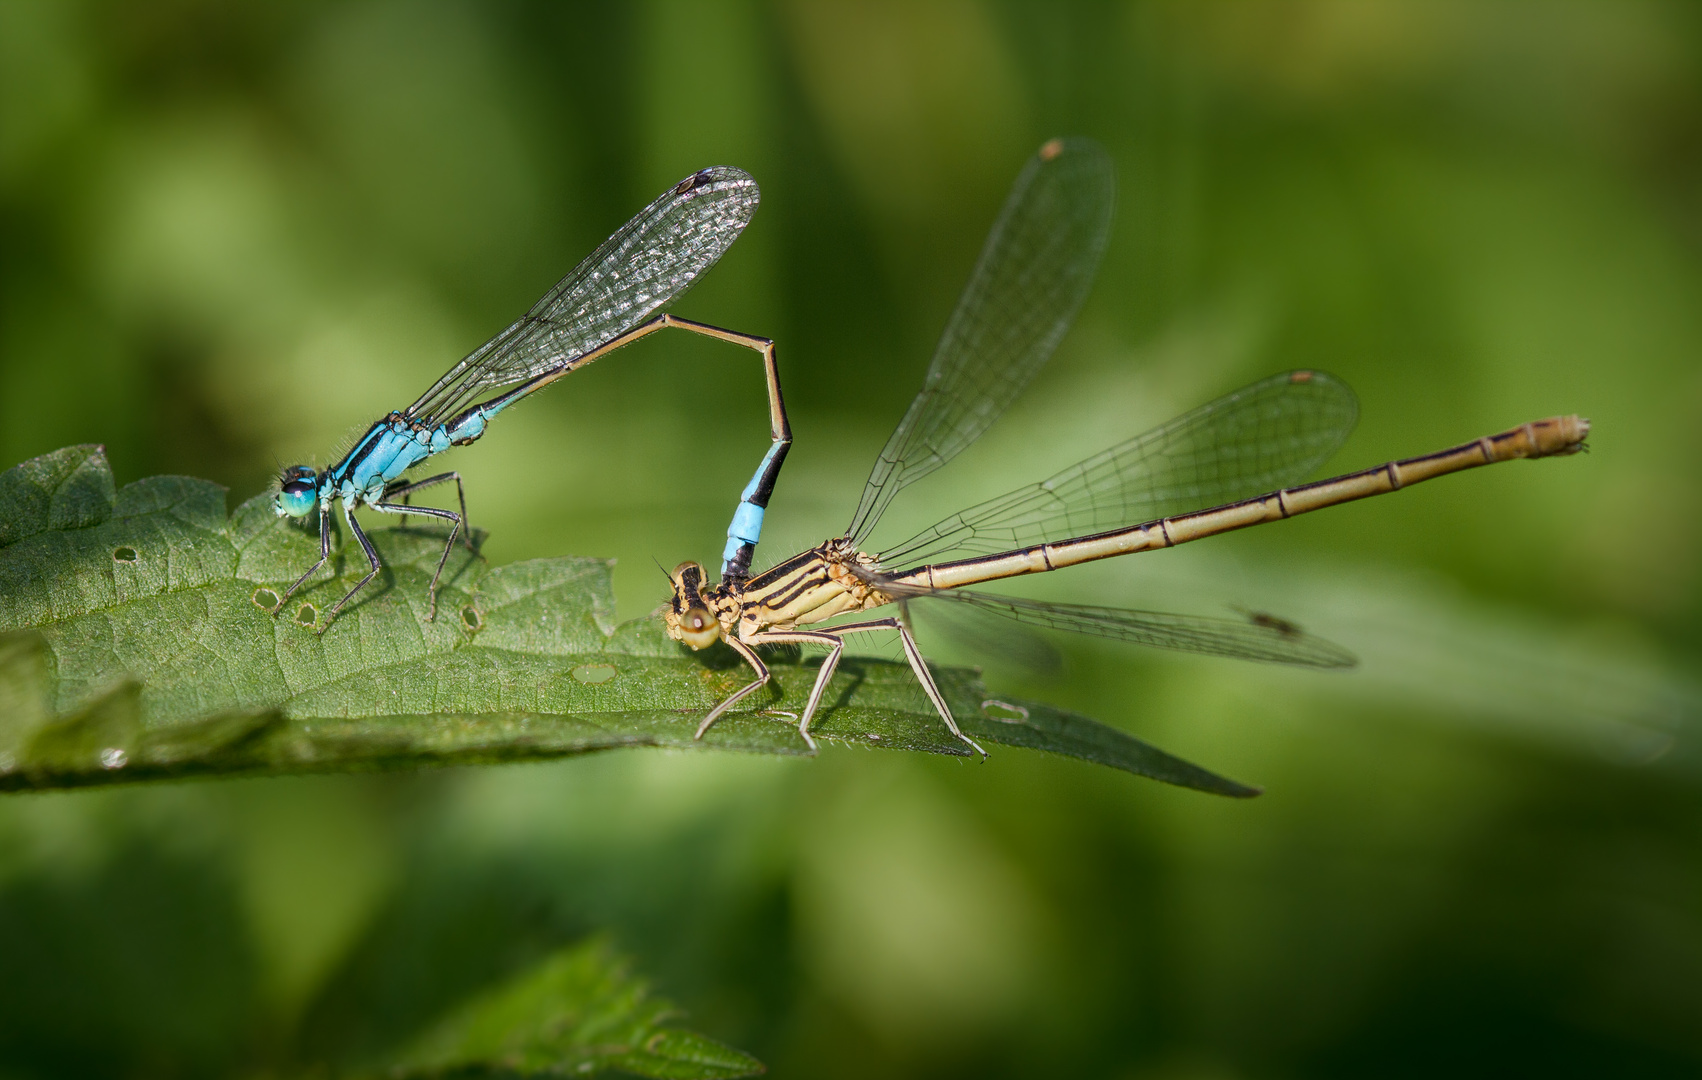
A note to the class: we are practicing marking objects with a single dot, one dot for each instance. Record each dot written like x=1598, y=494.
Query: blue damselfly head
x=298, y=489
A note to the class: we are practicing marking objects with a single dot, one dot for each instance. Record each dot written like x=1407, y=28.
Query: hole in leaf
x=594, y=674
x=1003, y=711
x=307, y=615
x=471, y=619
x=265, y=599
x=124, y=554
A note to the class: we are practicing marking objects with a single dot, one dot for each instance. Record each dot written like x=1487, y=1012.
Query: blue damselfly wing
x=649, y=262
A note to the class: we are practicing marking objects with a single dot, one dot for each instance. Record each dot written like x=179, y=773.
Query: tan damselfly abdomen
x=1242, y=458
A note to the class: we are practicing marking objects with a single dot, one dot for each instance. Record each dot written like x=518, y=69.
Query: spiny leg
x=737, y=696
x=454, y=527
x=830, y=663
x=324, y=553
x=371, y=557
x=407, y=490
x=832, y=638
x=808, y=637
x=926, y=678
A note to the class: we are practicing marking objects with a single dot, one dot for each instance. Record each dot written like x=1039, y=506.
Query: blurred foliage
x=577, y=1013
x=578, y=1010
x=229, y=235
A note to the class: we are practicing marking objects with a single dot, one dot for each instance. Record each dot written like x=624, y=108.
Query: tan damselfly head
x=688, y=617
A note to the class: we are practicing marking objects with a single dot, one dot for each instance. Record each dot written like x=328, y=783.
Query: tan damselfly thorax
x=1243, y=457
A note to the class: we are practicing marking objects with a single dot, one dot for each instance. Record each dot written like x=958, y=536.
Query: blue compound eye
x=296, y=497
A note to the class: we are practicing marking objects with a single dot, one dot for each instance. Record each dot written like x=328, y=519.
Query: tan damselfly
x=1033, y=275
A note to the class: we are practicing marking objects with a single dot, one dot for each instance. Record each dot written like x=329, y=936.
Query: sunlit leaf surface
x=142, y=645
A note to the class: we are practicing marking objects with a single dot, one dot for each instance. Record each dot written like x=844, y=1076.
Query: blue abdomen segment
x=464, y=428
x=746, y=527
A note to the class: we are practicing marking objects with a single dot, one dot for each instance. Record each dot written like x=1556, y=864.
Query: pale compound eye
x=296, y=496
x=699, y=628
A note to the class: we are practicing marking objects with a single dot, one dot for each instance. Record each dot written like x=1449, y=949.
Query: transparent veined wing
x=987, y=636
x=645, y=265
x=1032, y=277
x=1268, y=639
x=1267, y=436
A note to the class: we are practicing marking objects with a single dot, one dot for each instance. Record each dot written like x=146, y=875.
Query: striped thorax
x=808, y=588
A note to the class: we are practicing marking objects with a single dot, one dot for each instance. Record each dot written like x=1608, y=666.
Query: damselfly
x=1033, y=274
x=600, y=306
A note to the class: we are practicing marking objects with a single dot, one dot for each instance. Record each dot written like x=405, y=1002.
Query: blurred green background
x=234, y=233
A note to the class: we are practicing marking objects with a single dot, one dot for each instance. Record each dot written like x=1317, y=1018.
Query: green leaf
x=579, y=1012
x=140, y=645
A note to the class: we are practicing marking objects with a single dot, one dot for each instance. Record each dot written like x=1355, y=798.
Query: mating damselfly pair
x=1240, y=456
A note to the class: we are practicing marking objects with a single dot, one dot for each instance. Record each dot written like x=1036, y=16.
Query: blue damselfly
x=607, y=301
